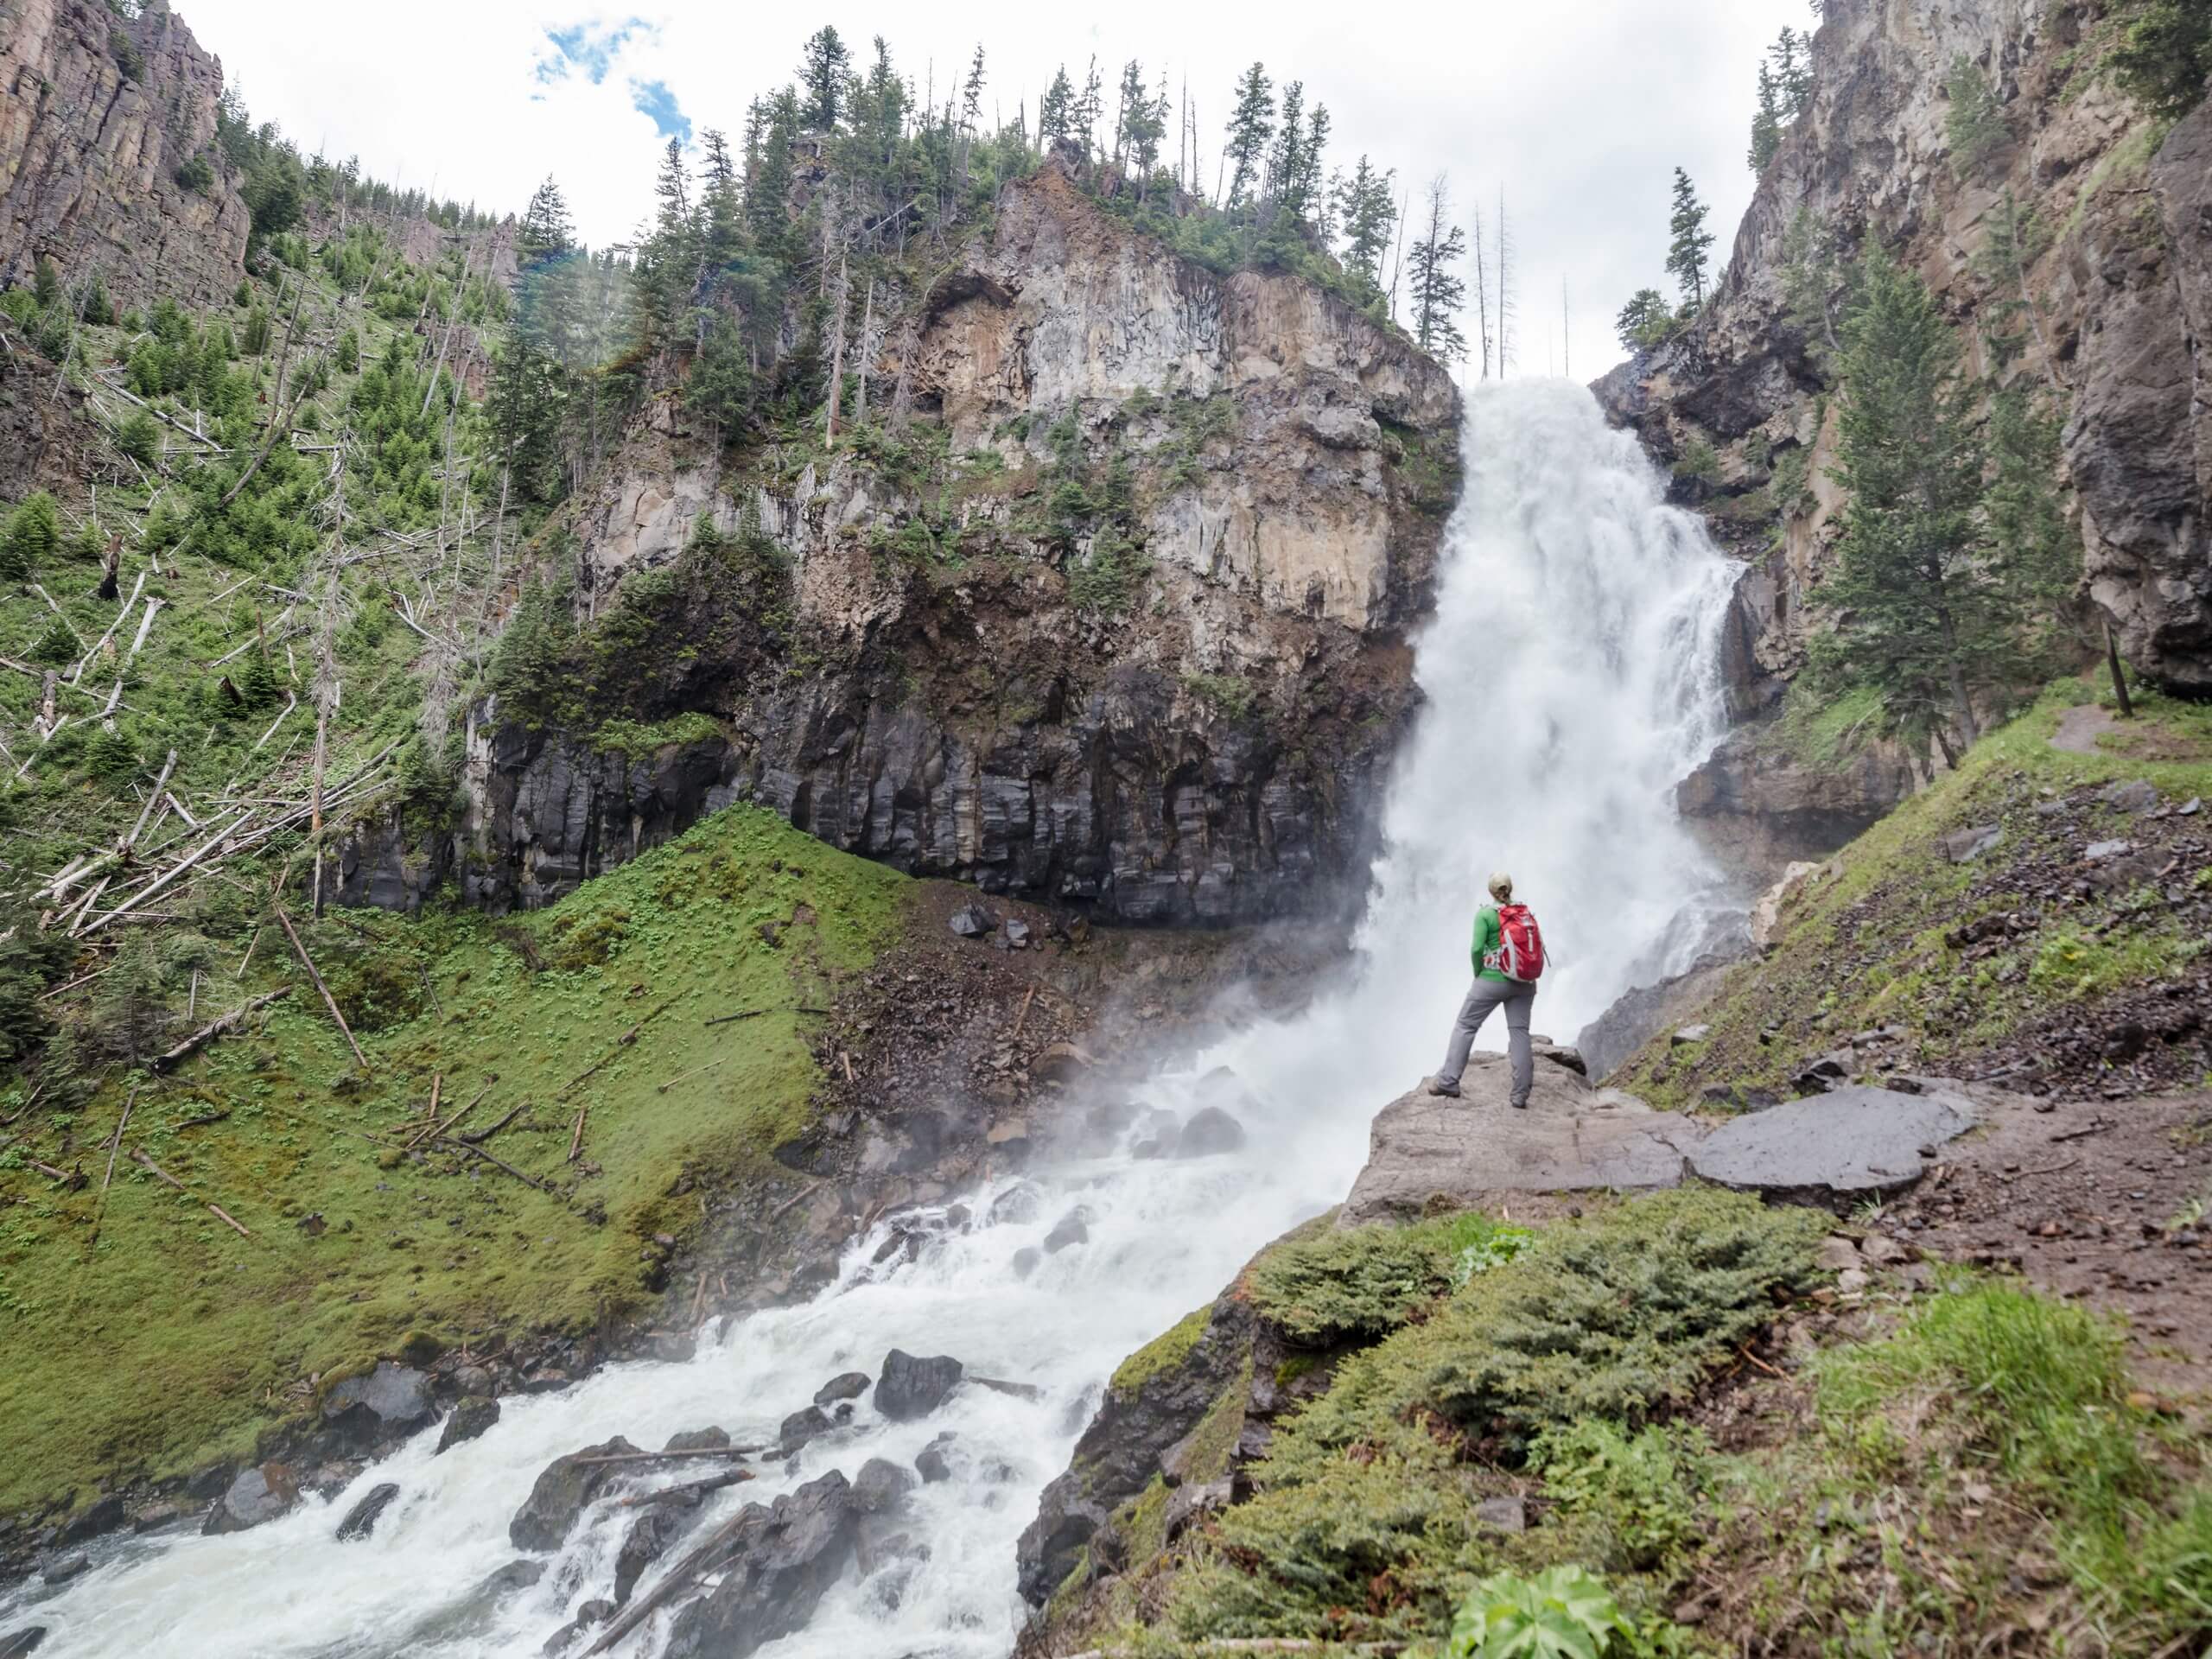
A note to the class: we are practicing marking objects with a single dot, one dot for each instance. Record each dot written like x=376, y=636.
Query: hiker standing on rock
x=1508, y=955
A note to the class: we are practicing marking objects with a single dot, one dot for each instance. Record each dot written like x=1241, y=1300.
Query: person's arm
x=1485, y=935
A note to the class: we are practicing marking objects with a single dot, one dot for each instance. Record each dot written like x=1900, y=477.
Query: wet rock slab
x=1856, y=1141
x=783, y=1557
x=1850, y=1142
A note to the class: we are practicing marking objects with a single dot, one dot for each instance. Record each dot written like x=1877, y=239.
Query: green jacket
x=1489, y=937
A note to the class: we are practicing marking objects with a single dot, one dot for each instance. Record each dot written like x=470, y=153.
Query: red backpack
x=1520, y=953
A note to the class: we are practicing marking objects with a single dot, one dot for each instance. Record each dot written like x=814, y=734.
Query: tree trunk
x=2118, y=680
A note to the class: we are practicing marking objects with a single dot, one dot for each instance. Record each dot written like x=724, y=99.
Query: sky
x=1579, y=110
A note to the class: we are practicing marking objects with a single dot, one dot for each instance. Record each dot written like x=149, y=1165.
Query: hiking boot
x=1518, y=1105
x=1448, y=1091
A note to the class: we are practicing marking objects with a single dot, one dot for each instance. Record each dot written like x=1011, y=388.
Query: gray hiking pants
x=1518, y=1001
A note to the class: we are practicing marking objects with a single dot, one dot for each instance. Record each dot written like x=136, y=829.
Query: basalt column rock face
x=97, y=113
x=2113, y=304
x=926, y=678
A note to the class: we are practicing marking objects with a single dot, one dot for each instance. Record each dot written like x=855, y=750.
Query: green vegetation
x=1880, y=945
x=1356, y=1284
x=1562, y=1612
x=141, y=1334
x=1975, y=121
x=2164, y=55
x=1785, y=91
x=1946, y=582
x=1163, y=1353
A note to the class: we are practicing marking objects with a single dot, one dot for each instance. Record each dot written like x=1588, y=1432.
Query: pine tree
x=46, y=283
x=1766, y=121
x=1686, y=252
x=1645, y=320
x=1791, y=54
x=668, y=259
x=1367, y=206
x=1055, y=110
x=1286, y=171
x=1936, y=585
x=1082, y=114
x=1251, y=124
x=824, y=64
x=971, y=95
x=1439, y=292
x=138, y=438
x=34, y=533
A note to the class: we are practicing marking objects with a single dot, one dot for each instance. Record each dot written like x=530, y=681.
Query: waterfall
x=1570, y=679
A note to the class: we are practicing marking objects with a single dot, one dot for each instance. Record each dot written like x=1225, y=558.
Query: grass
x=1869, y=946
x=146, y=1337
x=1163, y=1353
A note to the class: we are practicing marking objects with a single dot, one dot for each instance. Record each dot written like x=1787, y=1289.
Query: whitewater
x=1570, y=675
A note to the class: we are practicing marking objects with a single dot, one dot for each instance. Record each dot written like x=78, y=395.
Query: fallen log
x=688, y=1488
x=437, y=1128
x=621, y=1042
x=329, y=1001
x=215, y=1028
x=489, y=1158
x=679, y=1579
x=668, y=1457
x=477, y=1137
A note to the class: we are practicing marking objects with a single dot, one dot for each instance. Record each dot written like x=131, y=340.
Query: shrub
x=138, y=438
x=194, y=174
x=1563, y=1612
x=1638, y=1492
x=34, y=534
x=57, y=646
x=2166, y=56
x=1355, y=1284
x=1975, y=121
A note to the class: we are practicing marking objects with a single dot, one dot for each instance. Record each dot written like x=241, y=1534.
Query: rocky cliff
x=2111, y=210
x=1176, y=711
x=99, y=114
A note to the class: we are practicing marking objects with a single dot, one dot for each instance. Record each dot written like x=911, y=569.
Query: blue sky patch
x=652, y=98
x=587, y=46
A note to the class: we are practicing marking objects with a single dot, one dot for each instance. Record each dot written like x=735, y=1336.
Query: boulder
x=1572, y=1138
x=1964, y=846
x=935, y=1462
x=1193, y=1502
x=1060, y=1063
x=801, y=1427
x=515, y=1575
x=102, y=1514
x=62, y=1568
x=972, y=922
x=20, y=1644
x=649, y=1538
x=1502, y=1514
x=698, y=1439
x=2130, y=795
x=1019, y=1202
x=1210, y=1133
x=1686, y=1034
x=365, y=1409
x=881, y=1486
x=1850, y=1143
x=783, y=1558
x=468, y=1420
x=1073, y=1227
x=562, y=1490
x=258, y=1494
x=848, y=1386
x=588, y=1614
x=361, y=1520
x=1028, y=1391
x=911, y=1387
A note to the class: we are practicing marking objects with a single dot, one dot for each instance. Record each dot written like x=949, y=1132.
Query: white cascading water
x=1571, y=681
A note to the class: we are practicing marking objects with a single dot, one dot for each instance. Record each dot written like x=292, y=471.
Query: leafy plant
x=1562, y=1612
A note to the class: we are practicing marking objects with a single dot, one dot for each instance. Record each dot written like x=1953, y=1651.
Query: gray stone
x=1850, y=1142
x=1572, y=1138
x=515, y=1575
x=256, y=1495
x=63, y=1568
x=468, y=1419
x=1019, y=1202
x=1964, y=846
x=1193, y=1501
x=1028, y=1391
x=1026, y=1259
x=850, y=1385
x=881, y=1486
x=1503, y=1514
x=1210, y=1133
x=911, y=1387
x=2098, y=850
x=588, y=1615
x=562, y=1490
x=971, y=921
x=650, y=1537
x=1016, y=931
x=935, y=1462
x=20, y=1644
x=800, y=1428
x=1683, y=1035
x=361, y=1520
x=1073, y=1227
x=1836, y=1253
x=783, y=1559
x=698, y=1439
x=365, y=1409
x=2130, y=795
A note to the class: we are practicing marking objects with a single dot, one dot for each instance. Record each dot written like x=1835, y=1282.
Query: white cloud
x=1582, y=111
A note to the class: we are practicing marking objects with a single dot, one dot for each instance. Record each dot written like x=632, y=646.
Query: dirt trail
x=2079, y=728
x=2102, y=1202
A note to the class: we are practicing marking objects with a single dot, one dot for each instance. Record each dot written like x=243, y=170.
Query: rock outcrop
x=1204, y=747
x=1427, y=1155
x=1758, y=809
x=2118, y=315
x=98, y=115
x=783, y=1557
